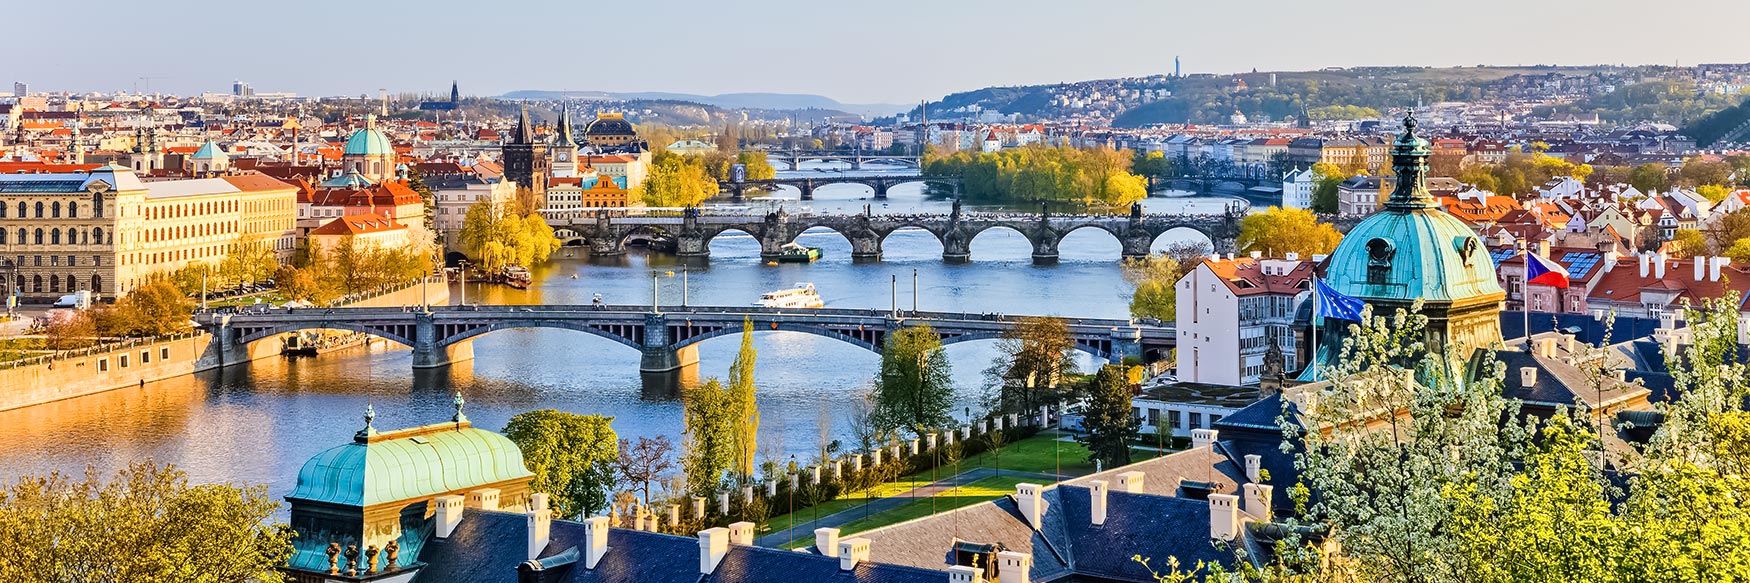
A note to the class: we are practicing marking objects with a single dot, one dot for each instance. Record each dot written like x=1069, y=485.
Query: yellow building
x=606, y=194
x=109, y=232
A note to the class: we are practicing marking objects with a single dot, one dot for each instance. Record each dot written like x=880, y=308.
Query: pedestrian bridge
x=607, y=230
x=440, y=335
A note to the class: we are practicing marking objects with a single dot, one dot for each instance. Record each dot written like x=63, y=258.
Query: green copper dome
x=210, y=151
x=409, y=464
x=369, y=141
x=1412, y=249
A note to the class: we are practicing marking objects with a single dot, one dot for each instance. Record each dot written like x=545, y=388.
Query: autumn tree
x=1327, y=178
x=745, y=404
x=758, y=168
x=1279, y=231
x=710, y=450
x=1649, y=178
x=914, y=389
x=572, y=456
x=146, y=525
x=1107, y=420
x=1033, y=356
x=496, y=238
x=675, y=181
x=1152, y=279
x=1689, y=243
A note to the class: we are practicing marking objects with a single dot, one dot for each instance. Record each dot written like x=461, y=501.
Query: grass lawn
x=1041, y=453
x=979, y=491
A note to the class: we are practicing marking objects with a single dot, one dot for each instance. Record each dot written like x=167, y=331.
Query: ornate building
x=564, y=150
x=525, y=159
x=608, y=131
x=1414, y=251
x=369, y=153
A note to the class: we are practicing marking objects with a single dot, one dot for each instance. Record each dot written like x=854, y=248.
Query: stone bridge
x=880, y=183
x=667, y=335
x=693, y=228
x=856, y=158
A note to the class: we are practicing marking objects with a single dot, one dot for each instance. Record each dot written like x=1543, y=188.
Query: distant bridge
x=876, y=182
x=608, y=230
x=856, y=158
x=666, y=336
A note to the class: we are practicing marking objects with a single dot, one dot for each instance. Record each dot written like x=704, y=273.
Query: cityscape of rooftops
x=770, y=292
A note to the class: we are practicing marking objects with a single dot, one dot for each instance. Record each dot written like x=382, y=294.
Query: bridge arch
x=1176, y=237
x=259, y=335
x=1001, y=246
x=866, y=344
x=620, y=241
x=474, y=332
x=1092, y=241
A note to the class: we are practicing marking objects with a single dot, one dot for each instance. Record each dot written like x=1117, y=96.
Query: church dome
x=210, y=151
x=369, y=141
x=609, y=124
x=409, y=464
x=1412, y=249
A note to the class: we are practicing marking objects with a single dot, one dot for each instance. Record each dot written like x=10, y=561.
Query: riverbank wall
x=132, y=364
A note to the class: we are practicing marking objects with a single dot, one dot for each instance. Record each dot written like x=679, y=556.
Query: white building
x=1297, y=189
x=1231, y=311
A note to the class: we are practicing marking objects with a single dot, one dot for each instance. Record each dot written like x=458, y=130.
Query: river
x=257, y=424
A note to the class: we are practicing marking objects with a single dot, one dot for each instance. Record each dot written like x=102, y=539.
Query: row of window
x=51, y=210
x=53, y=236
x=122, y=360
x=54, y=283
x=55, y=261
x=1175, y=419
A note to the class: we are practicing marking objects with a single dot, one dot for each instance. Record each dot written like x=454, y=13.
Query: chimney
x=1645, y=264
x=448, y=514
x=713, y=545
x=1254, y=463
x=1659, y=267
x=1257, y=254
x=1610, y=258
x=964, y=574
x=1546, y=347
x=1203, y=437
x=1700, y=267
x=1620, y=375
x=1258, y=501
x=853, y=551
x=1543, y=248
x=483, y=499
x=1130, y=482
x=1224, y=517
x=1715, y=265
x=1292, y=256
x=540, y=524
x=1013, y=567
x=741, y=533
x=1097, y=499
x=1032, y=503
x=595, y=540
x=826, y=540
x=1527, y=376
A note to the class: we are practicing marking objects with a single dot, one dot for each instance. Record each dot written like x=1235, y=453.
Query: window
x=1173, y=419
x=55, y=209
x=1196, y=420
x=102, y=365
x=1379, y=257
x=39, y=209
x=163, y=354
x=72, y=210
x=122, y=360
x=1154, y=417
x=145, y=357
x=39, y=236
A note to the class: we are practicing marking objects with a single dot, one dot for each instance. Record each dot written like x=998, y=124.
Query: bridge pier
x=880, y=188
x=665, y=360
x=1126, y=343
x=1045, y=250
x=807, y=188
x=956, y=250
x=866, y=248
x=427, y=353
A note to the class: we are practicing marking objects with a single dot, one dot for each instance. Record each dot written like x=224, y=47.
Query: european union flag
x=1332, y=304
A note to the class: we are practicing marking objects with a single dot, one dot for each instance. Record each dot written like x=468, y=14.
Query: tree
x=571, y=455
x=1326, y=180
x=675, y=181
x=1107, y=418
x=1033, y=355
x=1729, y=229
x=1696, y=173
x=711, y=438
x=249, y=259
x=1153, y=278
x=914, y=389
x=416, y=183
x=157, y=309
x=146, y=525
x=1689, y=243
x=496, y=238
x=745, y=404
x=1279, y=231
x=1649, y=177
x=758, y=168
x=1713, y=192
x=644, y=461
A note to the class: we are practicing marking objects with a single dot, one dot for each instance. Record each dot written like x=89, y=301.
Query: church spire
x=525, y=132
x=1409, y=155
x=562, y=135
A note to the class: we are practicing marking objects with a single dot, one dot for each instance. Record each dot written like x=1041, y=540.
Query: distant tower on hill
x=1176, y=71
x=455, y=95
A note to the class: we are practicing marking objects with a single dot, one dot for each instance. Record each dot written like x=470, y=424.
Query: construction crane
x=148, y=79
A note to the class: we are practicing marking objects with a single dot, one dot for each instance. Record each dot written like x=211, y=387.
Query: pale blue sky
x=895, y=51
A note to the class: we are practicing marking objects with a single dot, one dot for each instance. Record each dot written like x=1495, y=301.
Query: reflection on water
x=258, y=423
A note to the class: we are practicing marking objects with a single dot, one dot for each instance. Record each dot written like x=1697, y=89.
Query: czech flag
x=1545, y=272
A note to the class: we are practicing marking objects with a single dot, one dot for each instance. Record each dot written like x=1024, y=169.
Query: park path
x=877, y=506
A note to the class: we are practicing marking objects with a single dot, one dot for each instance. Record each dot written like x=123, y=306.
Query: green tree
x=745, y=403
x=914, y=390
x=1153, y=278
x=1689, y=243
x=147, y=525
x=674, y=181
x=1649, y=177
x=1713, y=192
x=1279, y=231
x=496, y=238
x=1107, y=421
x=758, y=168
x=572, y=456
x=1739, y=251
x=711, y=438
x=1326, y=180
x=1034, y=355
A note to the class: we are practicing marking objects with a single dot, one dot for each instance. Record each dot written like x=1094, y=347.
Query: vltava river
x=258, y=423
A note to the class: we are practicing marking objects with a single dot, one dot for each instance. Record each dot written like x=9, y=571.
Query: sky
x=882, y=51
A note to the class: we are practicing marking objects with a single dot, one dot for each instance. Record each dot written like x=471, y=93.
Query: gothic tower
x=564, y=148
x=525, y=160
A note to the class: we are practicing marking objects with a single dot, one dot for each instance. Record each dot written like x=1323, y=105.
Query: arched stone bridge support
x=658, y=355
x=427, y=353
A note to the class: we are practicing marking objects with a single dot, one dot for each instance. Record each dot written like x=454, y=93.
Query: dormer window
x=1379, y=257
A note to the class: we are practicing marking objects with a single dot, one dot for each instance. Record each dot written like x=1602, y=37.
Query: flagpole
x=1314, y=353
x=1525, y=299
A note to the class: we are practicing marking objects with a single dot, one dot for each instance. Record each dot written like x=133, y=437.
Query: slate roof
x=926, y=542
x=1155, y=527
x=488, y=545
x=1161, y=476
x=1559, y=383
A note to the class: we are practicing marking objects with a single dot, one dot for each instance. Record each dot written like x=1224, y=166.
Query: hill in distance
x=775, y=101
